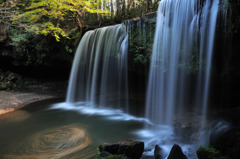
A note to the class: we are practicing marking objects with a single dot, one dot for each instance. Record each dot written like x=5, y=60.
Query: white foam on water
x=162, y=135
x=90, y=109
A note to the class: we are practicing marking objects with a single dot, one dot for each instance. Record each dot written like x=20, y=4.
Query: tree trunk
x=118, y=4
x=123, y=9
x=112, y=9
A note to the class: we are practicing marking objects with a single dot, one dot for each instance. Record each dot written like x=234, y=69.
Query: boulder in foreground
x=176, y=153
x=127, y=149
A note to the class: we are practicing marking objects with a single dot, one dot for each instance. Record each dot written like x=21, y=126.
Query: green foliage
x=3, y=86
x=101, y=153
x=209, y=153
x=141, y=43
x=57, y=18
x=191, y=63
x=140, y=58
x=71, y=45
x=68, y=49
x=233, y=20
x=111, y=157
x=208, y=149
x=33, y=24
x=49, y=16
x=115, y=157
x=98, y=151
x=31, y=47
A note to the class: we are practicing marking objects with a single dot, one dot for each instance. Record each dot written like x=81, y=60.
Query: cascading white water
x=99, y=71
x=207, y=22
x=179, y=76
x=184, y=41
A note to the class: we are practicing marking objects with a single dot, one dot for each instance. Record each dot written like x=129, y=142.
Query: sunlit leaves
x=48, y=16
x=58, y=17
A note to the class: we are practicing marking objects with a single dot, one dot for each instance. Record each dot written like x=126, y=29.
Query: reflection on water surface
x=61, y=133
x=52, y=143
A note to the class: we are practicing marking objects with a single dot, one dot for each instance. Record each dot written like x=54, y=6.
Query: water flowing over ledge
x=184, y=31
x=184, y=38
x=184, y=41
x=99, y=71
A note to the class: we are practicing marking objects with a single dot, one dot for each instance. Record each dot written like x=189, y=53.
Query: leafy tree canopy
x=51, y=16
x=59, y=17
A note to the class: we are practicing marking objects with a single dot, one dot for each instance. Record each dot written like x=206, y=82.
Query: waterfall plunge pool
x=62, y=130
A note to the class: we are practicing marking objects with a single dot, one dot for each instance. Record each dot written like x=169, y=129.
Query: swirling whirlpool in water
x=53, y=143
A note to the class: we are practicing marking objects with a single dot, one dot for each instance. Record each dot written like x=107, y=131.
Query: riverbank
x=11, y=100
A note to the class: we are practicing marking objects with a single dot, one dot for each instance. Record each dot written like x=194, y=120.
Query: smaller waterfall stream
x=99, y=71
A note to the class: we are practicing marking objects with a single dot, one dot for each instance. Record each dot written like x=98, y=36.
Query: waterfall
x=183, y=45
x=99, y=71
x=207, y=25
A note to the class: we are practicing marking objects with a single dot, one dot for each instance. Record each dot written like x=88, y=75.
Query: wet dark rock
x=176, y=153
x=228, y=143
x=230, y=115
x=218, y=130
x=105, y=154
x=225, y=133
x=149, y=18
x=111, y=148
x=12, y=77
x=10, y=81
x=157, y=152
x=209, y=153
x=129, y=148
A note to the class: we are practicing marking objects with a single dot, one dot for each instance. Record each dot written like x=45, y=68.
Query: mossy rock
x=209, y=153
x=116, y=157
x=107, y=155
x=6, y=85
x=3, y=86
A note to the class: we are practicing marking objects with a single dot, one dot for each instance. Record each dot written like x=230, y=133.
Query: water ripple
x=53, y=143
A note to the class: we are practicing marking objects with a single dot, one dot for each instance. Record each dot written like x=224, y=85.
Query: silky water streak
x=99, y=71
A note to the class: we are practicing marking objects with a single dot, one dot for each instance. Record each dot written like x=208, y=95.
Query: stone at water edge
x=208, y=153
x=111, y=148
x=129, y=148
x=176, y=153
x=105, y=154
x=227, y=137
x=157, y=152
